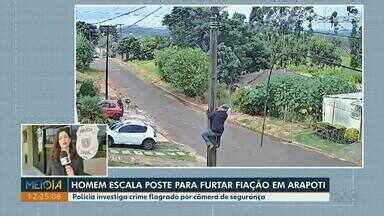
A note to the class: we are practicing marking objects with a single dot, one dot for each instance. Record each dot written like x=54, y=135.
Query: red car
x=112, y=109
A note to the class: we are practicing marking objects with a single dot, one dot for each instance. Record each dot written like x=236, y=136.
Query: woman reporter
x=63, y=147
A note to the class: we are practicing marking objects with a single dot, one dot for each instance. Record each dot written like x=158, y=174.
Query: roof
x=134, y=122
x=353, y=96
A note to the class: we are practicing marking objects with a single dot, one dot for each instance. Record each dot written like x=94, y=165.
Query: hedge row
x=184, y=68
x=291, y=97
x=88, y=103
x=337, y=133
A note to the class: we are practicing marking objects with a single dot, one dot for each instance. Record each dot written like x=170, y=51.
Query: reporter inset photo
x=64, y=150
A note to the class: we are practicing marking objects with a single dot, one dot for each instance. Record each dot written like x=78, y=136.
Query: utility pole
x=211, y=152
x=106, y=68
x=107, y=30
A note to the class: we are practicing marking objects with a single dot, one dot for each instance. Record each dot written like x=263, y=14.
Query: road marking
x=150, y=153
x=126, y=152
x=114, y=151
x=138, y=153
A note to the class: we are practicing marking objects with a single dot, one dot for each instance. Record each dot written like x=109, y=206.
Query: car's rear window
x=115, y=125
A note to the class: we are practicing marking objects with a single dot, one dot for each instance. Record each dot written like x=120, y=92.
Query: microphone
x=64, y=159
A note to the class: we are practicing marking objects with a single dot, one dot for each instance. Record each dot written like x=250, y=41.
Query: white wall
x=338, y=111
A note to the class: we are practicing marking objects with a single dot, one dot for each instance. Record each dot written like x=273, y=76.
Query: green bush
x=322, y=50
x=354, y=77
x=89, y=110
x=330, y=132
x=84, y=52
x=351, y=135
x=248, y=100
x=291, y=97
x=88, y=88
x=184, y=68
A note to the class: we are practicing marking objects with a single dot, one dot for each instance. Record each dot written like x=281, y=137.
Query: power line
x=123, y=14
x=149, y=14
x=331, y=34
x=332, y=61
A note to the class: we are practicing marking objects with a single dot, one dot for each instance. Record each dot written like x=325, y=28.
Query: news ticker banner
x=46, y=189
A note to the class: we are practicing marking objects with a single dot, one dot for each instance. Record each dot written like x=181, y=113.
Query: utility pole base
x=211, y=156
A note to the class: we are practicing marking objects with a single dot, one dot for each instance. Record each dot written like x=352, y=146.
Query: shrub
x=87, y=88
x=330, y=132
x=184, y=68
x=89, y=110
x=354, y=77
x=291, y=97
x=323, y=49
x=250, y=101
x=351, y=135
x=84, y=52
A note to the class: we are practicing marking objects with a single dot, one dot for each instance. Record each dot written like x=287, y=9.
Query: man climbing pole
x=217, y=119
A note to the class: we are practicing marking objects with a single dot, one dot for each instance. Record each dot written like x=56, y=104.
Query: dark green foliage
x=88, y=30
x=291, y=97
x=356, y=48
x=284, y=19
x=130, y=46
x=88, y=88
x=323, y=52
x=189, y=26
x=229, y=65
x=239, y=50
x=330, y=132
x=249, y=101
x=184, y=68
x=138, y=48
x=89, y=110
x=356, y=38
x=148, y=45
x=84, y=52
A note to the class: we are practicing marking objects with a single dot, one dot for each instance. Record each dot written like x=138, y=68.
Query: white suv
x=132, y=132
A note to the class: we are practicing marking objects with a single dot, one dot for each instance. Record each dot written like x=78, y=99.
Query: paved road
x=240, y=147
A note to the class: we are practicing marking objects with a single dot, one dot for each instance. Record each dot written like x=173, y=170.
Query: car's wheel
x=111, y=142
x=148, y=144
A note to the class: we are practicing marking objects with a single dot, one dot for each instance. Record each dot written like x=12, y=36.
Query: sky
x=97, y=13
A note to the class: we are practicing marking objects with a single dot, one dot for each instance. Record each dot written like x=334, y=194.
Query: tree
x=84, y=52
x=131, y=47
x=356, y=37
x=229, y=65
x=148, y=45
x=189, y=27
x=283, y=19
x=323, y=52
x=88, y=30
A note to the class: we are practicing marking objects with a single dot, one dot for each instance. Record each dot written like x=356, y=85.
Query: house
x=343, y=109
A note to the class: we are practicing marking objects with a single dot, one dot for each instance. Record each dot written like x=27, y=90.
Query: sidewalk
x=32, y=171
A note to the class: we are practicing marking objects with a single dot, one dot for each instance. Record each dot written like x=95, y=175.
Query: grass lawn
x=144, y=69
x=89, y=73
x=308, y=138
x=349, y=152
x=273, y=126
